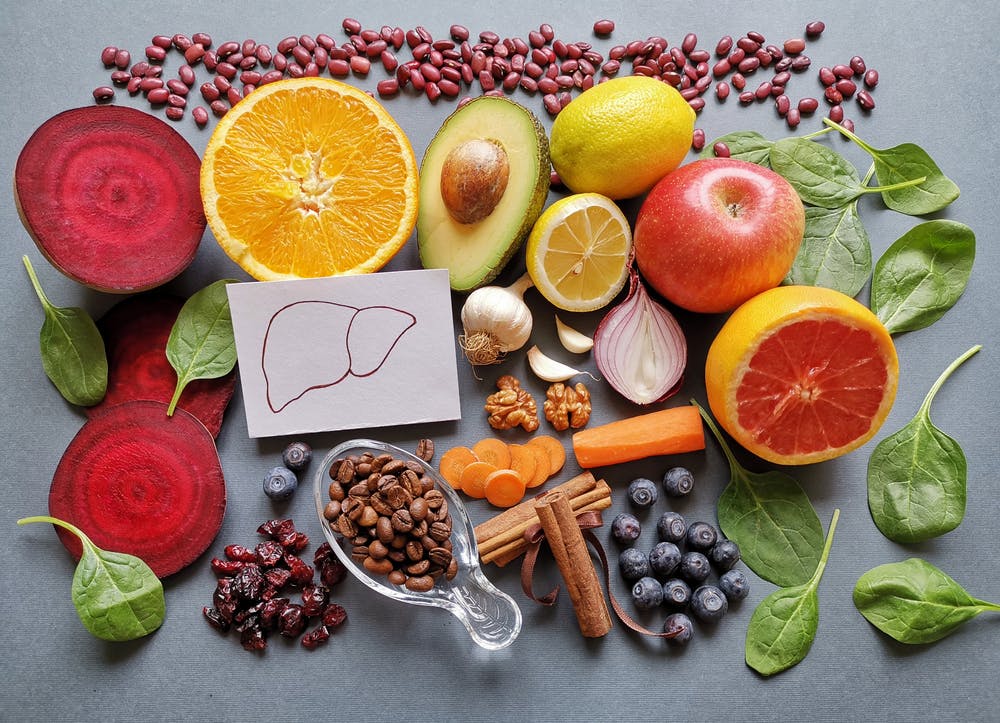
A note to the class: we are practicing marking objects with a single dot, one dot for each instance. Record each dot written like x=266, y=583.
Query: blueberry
x=633, y=564
x=679, y=628
x=625, y=528
x=642, y=492
x=676, y=593
x=297, y=456
x=701, y=536
x=724, y=554
x=664, y=559
x=671, y=527
x=678, y=481
x=694, y=567
x=734, y=584
x=709, y=604
x=647, y=593
x=280, y=483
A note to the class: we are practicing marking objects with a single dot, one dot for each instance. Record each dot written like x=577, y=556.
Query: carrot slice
x=453, y=463
x=543, y=466
x=504, y=488
x=554, y=448
x=494, y=451
x=668, y=431
x=522, y=460
x=473, y=479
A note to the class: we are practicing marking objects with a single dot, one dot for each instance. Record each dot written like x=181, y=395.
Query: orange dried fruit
x=309, y=177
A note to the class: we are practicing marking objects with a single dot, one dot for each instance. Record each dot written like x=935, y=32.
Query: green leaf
x=72, y=350
x=117, y=596
x=922, y=274
x=915, y=602
x=835, y=252
x=899, y=164
x=771, y=518
x=917, y=476
x=783, y=626
x=746, y=145
x=201, y=343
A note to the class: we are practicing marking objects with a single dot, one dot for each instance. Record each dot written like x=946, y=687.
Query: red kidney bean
x=736, y=56
x=547, y=32
x=815, y=28
x=123, y=59
x=174, y=113
x=389, y=61
x=351, y=26
x=294, y=70
x=430, y=72
x=210, y=60
x=865, y=100
x=747, y=96
x=720, y=149
x=103, y=93
x=374, y=49
x=871, y=78
x=738, y=81
x=227, y=48
x=250, y=77
x=724, y=45
x=301, y=55
x=285, y=45
x=775, y=52
x=222, y=83
x=808, y=105
x=234, y=58
x=794, y=46
x=360, y=64
x=120, y=77
x=689, y=43
x=698, y=139
x=764, y=57
x=721, y=68
x=397, y=37
x=157, y=95
x=308, y=42
x=783, y=64
x=233, y=96
x=226, y=70
x=756, y=37
x=150, y=84
x=186, y=74
x=846, y=87
x=202, y=39
x=181, y=42
x=793, y=118
x=701, y=69
x=209, y=91
x=551, y=103
x=748, y=65
x=722, y=90
x=783, y=104
x=412, y=38
x=387, y=88
x=177, y=87
x=177, y=101
x=836, y=114
x=108, y=56
x=848, y=124
x=800, y=63
x=858, y=65
x=610, y=67
x=320, y=56
x=273, y=75
x=435, y=58
x=200, y=115
x=161, y=41
x=842, y=71
x=140, y=68
x=535, y=39
x=432, y=91
x=133, y=85
x=763, y=91
x=450, y=89
x=826, y=76
x=781, y=78
x=697, y=104
x=280, y=62
x=249, y=62
x=833, y=96
x=604, y=27
x=219, y=107
x=248, y=47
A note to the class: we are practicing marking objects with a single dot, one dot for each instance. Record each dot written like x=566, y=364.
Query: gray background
x=939, y=88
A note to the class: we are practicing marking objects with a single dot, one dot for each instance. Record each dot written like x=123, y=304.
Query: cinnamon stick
x=512, y=550
x=510, y=524
x=573, y=558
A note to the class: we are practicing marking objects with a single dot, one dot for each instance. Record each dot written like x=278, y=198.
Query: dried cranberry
x=247, y=617
x=314, y=599
x=277, y=528
x=324, y=553
x=226, y=567
x=334, y=615
x=302, y=574
x=277, y=577
x=249, y=582
x=241, y=553
x=252, y=638
x=215, y=619
x=270, y=611
x=296, y=543
x=268, y=553
x=332, y=572
x=291, y=620
x=314, y=638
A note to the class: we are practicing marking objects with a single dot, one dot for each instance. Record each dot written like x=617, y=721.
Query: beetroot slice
x=111, y=197
x=135, y=332
x=140, y=482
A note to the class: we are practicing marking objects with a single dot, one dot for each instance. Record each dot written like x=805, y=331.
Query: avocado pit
x=473, y=179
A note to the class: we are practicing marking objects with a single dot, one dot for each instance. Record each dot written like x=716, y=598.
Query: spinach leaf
x=820, y=175
x=835, y=251
x=917, y=476
x=72, y=350
x=783, y=627
x=922, y=274
x=770, y=517
x=117, y=596
x=903, y=163
x=201, y=344
x=915, y=602
x=746, y=145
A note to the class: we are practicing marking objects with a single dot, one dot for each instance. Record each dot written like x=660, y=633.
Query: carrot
x=504, y=488
x=473, y=479
x=668, y=431
x=543, y=465
x=453, y=462
x=494, y=451
x=523, y=460
x=554, y=448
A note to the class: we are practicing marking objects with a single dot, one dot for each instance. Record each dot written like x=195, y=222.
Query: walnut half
x=567, y=407
x=511, y=406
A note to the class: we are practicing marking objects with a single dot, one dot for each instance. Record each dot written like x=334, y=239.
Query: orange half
x=801, y=374
x=309, y=177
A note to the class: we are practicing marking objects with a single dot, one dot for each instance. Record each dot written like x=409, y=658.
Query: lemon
x=578, y=252
x=620, y=137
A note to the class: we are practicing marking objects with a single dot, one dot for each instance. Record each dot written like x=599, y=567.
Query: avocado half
x=474, y=253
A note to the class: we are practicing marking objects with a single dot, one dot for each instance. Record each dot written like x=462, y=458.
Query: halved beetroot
x=135, y=332
x=111, y=197
x=140, y=482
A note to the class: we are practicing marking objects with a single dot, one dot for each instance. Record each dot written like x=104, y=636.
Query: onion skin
x=615, y=337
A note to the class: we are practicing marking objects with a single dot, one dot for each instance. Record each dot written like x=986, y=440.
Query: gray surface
x=394, y=662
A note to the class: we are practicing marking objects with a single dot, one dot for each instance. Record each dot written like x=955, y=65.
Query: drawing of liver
x=316, y=344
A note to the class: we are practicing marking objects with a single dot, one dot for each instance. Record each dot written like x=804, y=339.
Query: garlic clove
x=573, y=340
x=548, y=369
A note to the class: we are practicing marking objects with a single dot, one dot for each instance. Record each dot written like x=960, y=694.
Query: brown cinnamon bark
x=573, y=558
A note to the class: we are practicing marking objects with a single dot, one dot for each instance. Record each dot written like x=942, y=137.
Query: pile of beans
x=539, y=64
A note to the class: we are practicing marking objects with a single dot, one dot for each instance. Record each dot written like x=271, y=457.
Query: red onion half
x=640, y=348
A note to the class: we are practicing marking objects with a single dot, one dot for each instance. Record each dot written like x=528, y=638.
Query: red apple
x=716, y=232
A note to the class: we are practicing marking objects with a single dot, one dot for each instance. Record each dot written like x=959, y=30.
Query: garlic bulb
x=495, y=321
x=573, y=340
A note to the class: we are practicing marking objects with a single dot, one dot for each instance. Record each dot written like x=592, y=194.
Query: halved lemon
x=578, y=252
x=309, y=177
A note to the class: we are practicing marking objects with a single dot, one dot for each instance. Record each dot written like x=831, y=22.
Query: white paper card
x=346, y=352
